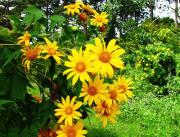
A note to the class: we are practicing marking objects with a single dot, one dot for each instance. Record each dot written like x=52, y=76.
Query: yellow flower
x=94, y=91
x=68, y=110
x=73, y=8
x=99, y=19
x=88, y=9
x=75, y=130
x=25, y=39
x=106, y=57
x=29, y=55
x=114, y=95
x=106, y=113
x=124, y=88
x=79, y=65
x=51, y=50
x=102, y=107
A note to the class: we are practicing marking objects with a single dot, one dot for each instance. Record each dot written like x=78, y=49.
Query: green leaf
x=13, y=85
x=14, y=55
x=34, y=90
x=18, y=87
x=28, y=20
x=13, y=132
x=15, y=22
x=3, y=102
x=56, y=20
x=4, y=32
x=5, y=82
x=78, y=88
x=4, y=54
x=33, y=14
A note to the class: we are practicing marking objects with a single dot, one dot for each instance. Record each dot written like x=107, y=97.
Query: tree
x=126, y=14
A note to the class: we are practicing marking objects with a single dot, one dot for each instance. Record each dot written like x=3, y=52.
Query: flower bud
x=83, y=16
x=102, y=28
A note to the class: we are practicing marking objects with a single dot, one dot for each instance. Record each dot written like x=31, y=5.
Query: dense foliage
x=153, y=50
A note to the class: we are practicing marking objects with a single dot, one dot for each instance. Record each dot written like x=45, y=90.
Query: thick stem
x=85, y=30
x=52, y=68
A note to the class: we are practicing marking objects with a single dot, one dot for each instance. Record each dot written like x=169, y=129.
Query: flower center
x=27, y=37
x=51, y=51
x=71, y=132
x=122, y=88
x=104, y=105
x=80, y=66
x=113, y=94
x=92, y=91
x=32, y=54
x=99, y=19
x=105, y=57
x=106, y=114
x=69, y=110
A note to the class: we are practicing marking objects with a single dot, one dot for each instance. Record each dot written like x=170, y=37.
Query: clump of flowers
x=88, y=74
x=89, y=15
x=32, y=53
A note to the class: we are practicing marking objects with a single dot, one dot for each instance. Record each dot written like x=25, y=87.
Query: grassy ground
x=146, y=116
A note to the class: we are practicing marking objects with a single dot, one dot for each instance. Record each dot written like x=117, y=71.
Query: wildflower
x=102, y=107
x=106, y=113
x=114, y=95
x=88, y=9
x=30, y=54
x=68, y=110
x=99, y=19
x=73, y=8
x=25, y=39
x=124, y=88
x=51, y=50
x=106, y=57
x=94, y=90
x=75, y=130
x=79, y=65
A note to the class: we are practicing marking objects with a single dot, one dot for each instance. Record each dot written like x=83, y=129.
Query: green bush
x=152, y=49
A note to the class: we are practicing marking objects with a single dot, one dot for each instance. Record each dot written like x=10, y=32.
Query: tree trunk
x=151, y=6
x=176, y=12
